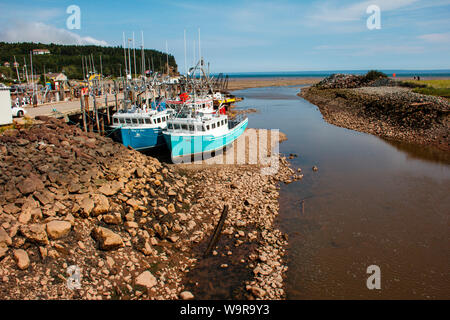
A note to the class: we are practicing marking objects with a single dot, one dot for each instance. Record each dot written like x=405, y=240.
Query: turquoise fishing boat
x=194, y=135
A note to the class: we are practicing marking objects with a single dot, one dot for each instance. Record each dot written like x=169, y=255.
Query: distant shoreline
x=246, y=83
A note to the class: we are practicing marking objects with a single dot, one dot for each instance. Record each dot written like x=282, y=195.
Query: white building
x=5, y=105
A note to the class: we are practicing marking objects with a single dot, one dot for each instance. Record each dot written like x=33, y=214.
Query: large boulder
x=22, y=259
x=35, y=233
x=146, y=279
x=58, y=229
x=107, y=239
x=101, y=204
x=30, y=185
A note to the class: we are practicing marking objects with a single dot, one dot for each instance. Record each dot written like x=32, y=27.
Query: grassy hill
x=67, y=58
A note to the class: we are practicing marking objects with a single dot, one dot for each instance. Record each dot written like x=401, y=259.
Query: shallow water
x=372, y=202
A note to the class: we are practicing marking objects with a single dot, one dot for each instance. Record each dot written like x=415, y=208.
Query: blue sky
x=251, y=36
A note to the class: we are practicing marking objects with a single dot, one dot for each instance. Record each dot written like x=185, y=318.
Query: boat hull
x=141, y=138
x=182, y=146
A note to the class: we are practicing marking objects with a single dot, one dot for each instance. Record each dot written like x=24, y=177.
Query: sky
x=250, y=36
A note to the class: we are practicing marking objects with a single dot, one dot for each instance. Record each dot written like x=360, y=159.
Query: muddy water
x=372, y=202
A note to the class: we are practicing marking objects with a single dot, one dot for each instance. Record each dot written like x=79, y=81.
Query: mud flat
x=383, y=109
x=239, y=84
x=128, y=223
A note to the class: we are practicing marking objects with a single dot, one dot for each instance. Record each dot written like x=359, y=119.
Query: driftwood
x=217, y=231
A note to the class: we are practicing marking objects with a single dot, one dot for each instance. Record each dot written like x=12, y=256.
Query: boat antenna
x=125, y=54
x=199, y=47
x=167, y=57
x=134, y=53
x=185, y=59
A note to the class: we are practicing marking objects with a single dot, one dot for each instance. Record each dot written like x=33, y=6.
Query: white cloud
x=44, y=33
x=436, y=37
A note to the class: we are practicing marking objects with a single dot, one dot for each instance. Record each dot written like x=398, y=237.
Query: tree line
x=68, y=59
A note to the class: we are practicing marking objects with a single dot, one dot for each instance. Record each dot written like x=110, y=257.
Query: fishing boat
x=141, y=128
x=192, y=134
x=203, y=104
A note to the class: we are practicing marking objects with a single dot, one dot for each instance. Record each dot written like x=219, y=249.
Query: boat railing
x=236, y=120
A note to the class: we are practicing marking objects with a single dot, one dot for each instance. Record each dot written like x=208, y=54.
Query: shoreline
x=392, y=113
x=247, y=83
x=132, y=224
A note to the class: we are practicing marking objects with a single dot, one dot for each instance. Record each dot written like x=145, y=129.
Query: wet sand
x=245, y=83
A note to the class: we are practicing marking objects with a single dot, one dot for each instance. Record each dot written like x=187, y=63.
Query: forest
x=68, y=59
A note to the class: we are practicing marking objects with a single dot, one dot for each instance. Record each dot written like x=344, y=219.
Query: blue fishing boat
x=195, y=134
x=140, y=128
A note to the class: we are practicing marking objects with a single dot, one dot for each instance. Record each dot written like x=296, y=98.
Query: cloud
x=436, y=37
x=44, y=33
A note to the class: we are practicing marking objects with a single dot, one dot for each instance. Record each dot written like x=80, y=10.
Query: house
x=5, y=105
x=40, y=51
x=56, y=76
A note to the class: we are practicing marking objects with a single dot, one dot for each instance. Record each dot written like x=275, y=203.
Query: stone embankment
x=384, y=108
x=82, y=217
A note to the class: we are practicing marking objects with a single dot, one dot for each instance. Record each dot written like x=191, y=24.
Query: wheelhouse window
x=184, y=127
x=121, y=120
x=115, y=120
x=176, y=126
x=148, y=121
x=128, y=121
x=200, y=128
x=207, y=127
x=191, y=127
x=213, y=126
x=141, y=121
x=222, y=122
x=170, y=126
x=135, y=121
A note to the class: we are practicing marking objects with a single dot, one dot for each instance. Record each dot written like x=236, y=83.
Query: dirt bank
x=391, y=112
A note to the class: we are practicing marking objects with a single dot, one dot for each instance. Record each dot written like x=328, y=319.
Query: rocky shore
x=82, y=217
x=382, y=107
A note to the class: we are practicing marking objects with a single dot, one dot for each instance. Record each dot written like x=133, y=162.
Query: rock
x=186, y=295
x=58, y=229
x=74, y=187
x=146, y=279
x=163, y=210
x=4, y=237
x=30, y=185
x=45, y=197
x=139, y=172
x=133, y=203
x=174, y=238
x=3, y=250
x=114, y=218
x=171, y=208
x=11, y=208
x=35, y=233
x=25, y=216
x=101, y=204
x=108, y=240
x=86, y=206
x=22, y=142
x=22, y=259
x=257, y=292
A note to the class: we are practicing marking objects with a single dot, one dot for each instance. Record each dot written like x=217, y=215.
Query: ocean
x=322, y=74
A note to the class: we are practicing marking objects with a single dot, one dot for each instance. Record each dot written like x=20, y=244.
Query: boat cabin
x=202, y=125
